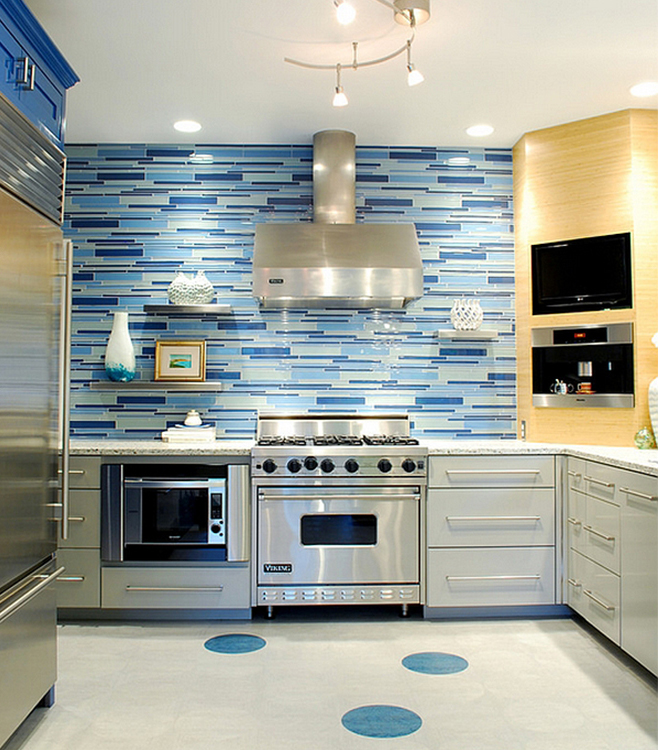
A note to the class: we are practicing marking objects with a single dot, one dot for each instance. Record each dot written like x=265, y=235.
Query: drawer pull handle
x=574, y=521
x=574, y=583
x=77, y=579
x=575, y=474
x=493, y=471
x=175, y=588
x=600, y=602
x=73, y=471
x=641, y=495
x=78, y=519
x=598, y=481
x=578, y=490
x=534, y=519
x=607, y=537
x=493, y=578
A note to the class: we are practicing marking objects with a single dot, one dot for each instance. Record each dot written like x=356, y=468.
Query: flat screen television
x=591, y=273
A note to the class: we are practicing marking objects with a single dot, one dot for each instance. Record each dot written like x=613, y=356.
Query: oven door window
x=348, y=529
x=175, y=516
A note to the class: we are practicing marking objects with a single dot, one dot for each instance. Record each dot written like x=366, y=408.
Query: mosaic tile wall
x=137, y=214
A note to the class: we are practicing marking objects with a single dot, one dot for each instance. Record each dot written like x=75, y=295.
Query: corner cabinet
x=490, y=531
x=612, y=561
x=35, y=75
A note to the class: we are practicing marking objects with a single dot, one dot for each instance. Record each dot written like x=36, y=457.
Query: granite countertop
x=625, y=458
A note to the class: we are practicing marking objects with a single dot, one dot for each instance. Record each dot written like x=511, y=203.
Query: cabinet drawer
x=84, y=520
x=491, y=471
x=176, y=588
x=640, y=490
x=595, y=529
x=484, y=577
x=602, y=481
x=594, y=592
x=80, y=583
x=85, y=472
x=501, y=517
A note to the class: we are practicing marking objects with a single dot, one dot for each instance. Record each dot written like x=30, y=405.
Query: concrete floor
x=529, y=685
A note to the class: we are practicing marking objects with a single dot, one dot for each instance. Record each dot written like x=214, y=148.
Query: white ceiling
x=518, y=65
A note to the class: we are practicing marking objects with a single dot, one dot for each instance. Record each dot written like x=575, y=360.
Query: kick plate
x=338, y=595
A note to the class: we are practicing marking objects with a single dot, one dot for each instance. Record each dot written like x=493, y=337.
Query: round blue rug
x=235, y=643
x=381, y=721
x=434, y=662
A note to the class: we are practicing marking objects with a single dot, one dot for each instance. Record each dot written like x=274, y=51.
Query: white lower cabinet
x=490, y=530
x=612, y=561
x=176, y=588
x=507, y=576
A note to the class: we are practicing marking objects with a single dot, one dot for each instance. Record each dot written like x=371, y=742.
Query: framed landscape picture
x=180, y=360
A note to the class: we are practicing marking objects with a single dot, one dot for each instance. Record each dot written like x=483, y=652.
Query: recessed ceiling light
x=187, y=126
x=479, y=130
x=648, y=88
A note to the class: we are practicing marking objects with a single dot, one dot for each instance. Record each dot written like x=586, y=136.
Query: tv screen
x=592, y=273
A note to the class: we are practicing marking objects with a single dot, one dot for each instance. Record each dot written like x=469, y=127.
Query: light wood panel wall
x=591, y=177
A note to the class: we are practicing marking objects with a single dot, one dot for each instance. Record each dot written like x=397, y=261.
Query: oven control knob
x=327, y=465
x=311, y=463
x=408, y=465
x=351, y=465
x=269, y=466
x=294, y=465
x=215, y=528
x=384, y=465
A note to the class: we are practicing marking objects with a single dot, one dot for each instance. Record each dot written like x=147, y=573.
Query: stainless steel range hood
x=334, y=262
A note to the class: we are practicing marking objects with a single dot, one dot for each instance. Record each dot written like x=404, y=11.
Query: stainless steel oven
x=337, y=517
x=157, y=513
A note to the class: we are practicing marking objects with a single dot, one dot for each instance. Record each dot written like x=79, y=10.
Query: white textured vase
x=180, y=290
x=653, y=406
x=466, y=315
x=120, y=353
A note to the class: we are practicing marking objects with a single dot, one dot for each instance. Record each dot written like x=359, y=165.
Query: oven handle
x=324, y=495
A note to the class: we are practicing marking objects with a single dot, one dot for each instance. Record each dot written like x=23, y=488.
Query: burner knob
x=327, y=465
x=408, y=465
x=215, y=528
x=294, y=465
x=269, y=466
x=384, y=465
x=311, y=463
x=351, y=465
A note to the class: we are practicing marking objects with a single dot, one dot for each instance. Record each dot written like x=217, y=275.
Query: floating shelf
x=154, y=385
x=469, y=335
x=212, y=309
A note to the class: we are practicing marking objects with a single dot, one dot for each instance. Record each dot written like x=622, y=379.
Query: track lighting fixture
x=345, y=12
x=407, y=12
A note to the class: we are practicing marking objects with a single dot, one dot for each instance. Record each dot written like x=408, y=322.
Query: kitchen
x=133, y=214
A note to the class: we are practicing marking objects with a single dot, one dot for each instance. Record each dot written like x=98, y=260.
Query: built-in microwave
x=160, y=513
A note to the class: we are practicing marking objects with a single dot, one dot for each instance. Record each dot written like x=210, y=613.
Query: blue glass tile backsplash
x=137, y=214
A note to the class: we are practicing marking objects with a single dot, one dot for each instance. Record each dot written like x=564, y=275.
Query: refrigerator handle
x=44, y=580
x=65, y=381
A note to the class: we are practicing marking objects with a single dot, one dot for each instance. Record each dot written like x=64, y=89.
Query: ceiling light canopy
x=408, y=12
x=648, y=88
x=187, y=126
x=478, y=131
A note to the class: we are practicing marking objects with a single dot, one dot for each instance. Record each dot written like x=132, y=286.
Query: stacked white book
x=182, y=433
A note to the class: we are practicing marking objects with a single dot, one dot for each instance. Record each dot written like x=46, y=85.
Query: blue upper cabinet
x=34, y=75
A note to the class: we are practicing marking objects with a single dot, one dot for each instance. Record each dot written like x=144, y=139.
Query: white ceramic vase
x=653, y=406
x=466, y=315
x=180, y=290
x=120, y=353
x=202, y=290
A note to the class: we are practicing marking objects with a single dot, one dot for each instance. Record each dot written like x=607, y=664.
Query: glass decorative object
x=120, y=353
x=466, y=315
x=644, y=438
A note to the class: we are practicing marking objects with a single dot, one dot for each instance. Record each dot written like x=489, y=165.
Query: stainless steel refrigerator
x=31, y=180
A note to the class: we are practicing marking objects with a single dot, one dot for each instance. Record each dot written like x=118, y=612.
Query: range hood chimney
x=333, y=262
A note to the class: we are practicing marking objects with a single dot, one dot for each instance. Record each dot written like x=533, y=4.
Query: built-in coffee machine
x=583, y=366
